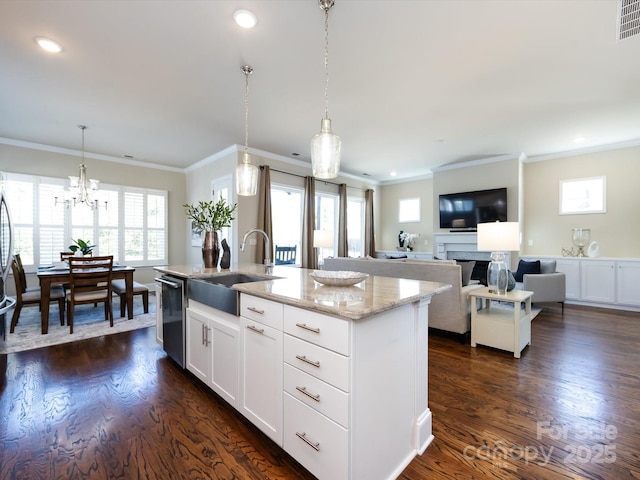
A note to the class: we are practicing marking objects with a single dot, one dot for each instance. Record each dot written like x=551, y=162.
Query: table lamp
x=498, y=237
x=322, y=239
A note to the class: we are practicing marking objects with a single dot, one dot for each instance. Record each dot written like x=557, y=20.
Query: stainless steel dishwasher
x=174, y=302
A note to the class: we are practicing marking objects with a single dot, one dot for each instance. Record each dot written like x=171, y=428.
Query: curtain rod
x=305, y=176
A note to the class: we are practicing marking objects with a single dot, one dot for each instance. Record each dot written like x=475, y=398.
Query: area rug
x=88, y=322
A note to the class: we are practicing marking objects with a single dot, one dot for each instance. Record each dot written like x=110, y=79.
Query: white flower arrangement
x=408, y=239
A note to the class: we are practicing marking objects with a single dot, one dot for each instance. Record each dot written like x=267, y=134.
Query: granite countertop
x=294, y=286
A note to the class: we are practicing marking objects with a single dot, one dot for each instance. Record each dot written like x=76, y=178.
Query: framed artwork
x=409, y=210
x=583, y=195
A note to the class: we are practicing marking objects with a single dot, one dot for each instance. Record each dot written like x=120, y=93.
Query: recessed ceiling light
x=245, y=18
x=579, y=140
x=393, y=174
x=48, y=45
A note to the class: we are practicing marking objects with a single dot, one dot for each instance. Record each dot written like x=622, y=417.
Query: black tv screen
x=464, y=211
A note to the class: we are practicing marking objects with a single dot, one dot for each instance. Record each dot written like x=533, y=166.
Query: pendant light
x=246, y=172
x=325, y=145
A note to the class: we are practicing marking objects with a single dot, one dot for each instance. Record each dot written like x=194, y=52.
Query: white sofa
x=448, y=311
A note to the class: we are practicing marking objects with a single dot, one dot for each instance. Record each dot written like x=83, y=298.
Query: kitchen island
x=337, y=376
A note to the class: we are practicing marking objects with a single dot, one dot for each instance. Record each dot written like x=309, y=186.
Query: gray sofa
x=448, y=311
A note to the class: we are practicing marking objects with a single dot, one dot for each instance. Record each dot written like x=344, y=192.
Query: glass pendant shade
x=246, y=177
x=325, y=152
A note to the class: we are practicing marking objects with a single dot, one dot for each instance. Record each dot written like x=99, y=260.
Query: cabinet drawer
x=261, y=310
x=319, y=444
x=323, y=330
x=317, y=361
x=320, y=396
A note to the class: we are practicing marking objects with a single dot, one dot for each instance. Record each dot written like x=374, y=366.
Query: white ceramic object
x=593, y=250
x=339, y=278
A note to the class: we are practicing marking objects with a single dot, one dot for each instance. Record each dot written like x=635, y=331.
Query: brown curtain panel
x=343, y=239
x=265, y=221
x=309, y=257
x=369, y=240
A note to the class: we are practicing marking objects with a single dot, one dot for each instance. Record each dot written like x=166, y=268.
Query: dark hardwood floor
x=115, y=407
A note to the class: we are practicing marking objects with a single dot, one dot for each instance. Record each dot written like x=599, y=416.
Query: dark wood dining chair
x=90, y=282
x=285, y=255
x=31, y=297
x=65, y=255
x=23, y=275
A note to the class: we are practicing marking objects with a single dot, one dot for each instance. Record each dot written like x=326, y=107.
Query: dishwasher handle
x=167, y=282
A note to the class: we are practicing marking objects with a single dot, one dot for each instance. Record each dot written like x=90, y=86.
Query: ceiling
x=414, y=84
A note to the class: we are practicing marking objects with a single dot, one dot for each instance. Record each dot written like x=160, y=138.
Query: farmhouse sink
x=216, y=291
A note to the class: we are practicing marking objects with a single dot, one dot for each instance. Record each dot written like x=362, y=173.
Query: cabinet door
x=598, y=281
x=261, y=367
x=225, y=370
x=628, y=292
x=159, y=313
x=571, y=269
x=198, y=351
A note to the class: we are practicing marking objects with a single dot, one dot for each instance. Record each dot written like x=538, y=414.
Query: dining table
x=59, y=275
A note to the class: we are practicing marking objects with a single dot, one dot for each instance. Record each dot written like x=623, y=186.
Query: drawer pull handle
x=303, y=436
x=256, y=310
x=306, y=360
x=255, y=329
x=307, y=327
x=203, y=336
x=315, y=397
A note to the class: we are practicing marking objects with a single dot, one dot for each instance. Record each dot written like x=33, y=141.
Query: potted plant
x=210, y=217
x=82, y=247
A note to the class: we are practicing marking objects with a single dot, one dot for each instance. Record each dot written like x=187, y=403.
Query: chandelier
x=82, y=190
x=325, y=145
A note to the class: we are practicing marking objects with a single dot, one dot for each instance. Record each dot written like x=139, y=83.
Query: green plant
x=210, y=216
x=80, y=245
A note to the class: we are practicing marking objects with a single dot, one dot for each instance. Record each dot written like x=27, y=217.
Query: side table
x=503, y=328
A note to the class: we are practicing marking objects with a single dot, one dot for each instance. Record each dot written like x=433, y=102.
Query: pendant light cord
x=326, y=62
x=247, y=70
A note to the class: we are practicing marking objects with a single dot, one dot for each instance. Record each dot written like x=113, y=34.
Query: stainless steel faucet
x=267, y=245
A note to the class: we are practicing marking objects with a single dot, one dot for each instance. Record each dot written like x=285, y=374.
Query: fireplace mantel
x=461, y=246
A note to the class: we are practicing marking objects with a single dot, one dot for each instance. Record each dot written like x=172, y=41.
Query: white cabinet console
x=600, y=282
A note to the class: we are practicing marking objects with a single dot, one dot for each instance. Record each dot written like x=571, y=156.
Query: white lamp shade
x=322, y=238
x=499, y=236
x=325, y=152
x=246, y=178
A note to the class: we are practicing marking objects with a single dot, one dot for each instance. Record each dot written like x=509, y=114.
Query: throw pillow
x=526, y=267
x=467, y=270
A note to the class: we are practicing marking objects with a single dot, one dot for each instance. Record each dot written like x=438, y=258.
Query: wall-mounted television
x=462, y=212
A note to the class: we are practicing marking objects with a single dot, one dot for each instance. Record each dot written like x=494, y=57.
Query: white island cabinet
x=261, y=364
x=349, y=386
x=213, y=349
x=337, y=376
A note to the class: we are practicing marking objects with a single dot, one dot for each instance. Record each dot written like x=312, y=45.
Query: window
x=583, y=195
x=286, y=215
x=409, y=210
x=132, y=228
x=286, y=210
x=355, y=227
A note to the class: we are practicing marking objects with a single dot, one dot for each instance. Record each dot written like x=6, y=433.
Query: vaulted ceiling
x=413, y=84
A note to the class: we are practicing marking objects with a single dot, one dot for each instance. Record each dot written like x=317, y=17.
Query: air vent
x=628, y=18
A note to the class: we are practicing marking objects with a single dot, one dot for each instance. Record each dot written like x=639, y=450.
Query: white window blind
x=132, y=228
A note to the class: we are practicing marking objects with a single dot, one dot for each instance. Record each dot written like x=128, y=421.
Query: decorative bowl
x=339, y=278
